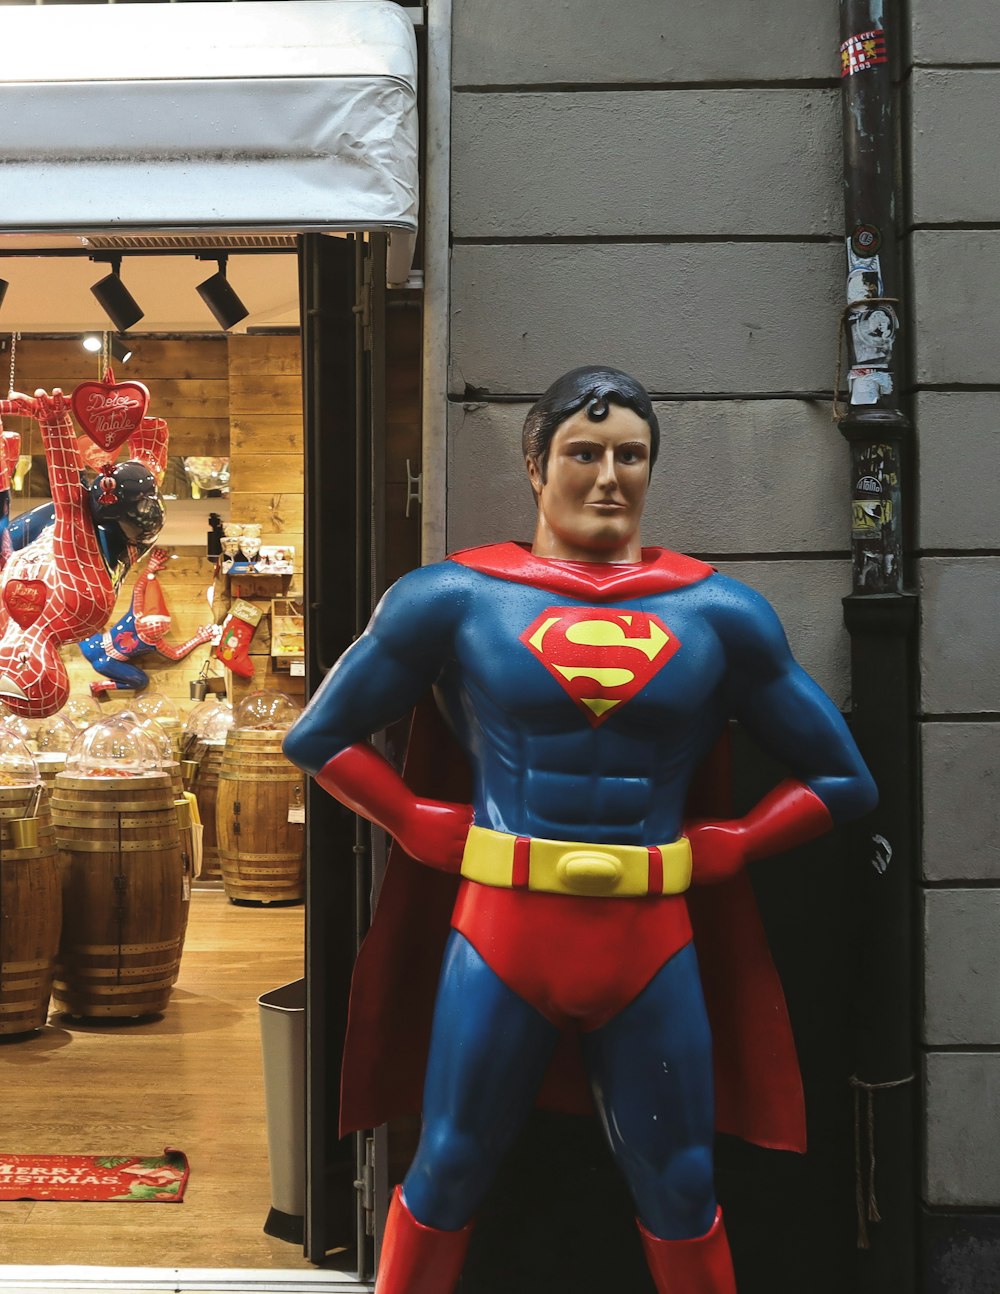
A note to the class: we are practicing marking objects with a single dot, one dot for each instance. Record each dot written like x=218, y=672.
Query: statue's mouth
x=9, y=688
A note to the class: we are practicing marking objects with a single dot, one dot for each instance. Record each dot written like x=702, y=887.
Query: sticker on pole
x=863, y=52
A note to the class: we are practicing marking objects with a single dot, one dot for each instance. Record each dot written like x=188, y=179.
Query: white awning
x=267, y=115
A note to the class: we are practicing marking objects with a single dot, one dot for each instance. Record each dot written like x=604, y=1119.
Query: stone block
x=961, y=957
x=660, y=41
x=961, y=784
x=646, y=163
x=963, y=31
x=956, y=286
x=683, y=317
x=962, y=1167
x=955, y=146
x=959, y=437
x=960, y=611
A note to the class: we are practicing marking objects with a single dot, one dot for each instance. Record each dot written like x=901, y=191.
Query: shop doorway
x=353, y=543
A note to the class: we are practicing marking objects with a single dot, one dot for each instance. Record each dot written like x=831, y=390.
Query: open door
x=342, y=300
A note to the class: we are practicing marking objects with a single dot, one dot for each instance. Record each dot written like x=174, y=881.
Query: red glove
x=790, y=815
x=431, y=831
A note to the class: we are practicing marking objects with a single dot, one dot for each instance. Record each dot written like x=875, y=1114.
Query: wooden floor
x=191, y=1079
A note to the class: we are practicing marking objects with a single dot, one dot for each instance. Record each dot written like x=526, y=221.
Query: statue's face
x=596, y=478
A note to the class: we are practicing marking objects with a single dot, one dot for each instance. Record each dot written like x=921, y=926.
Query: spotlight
x=120, y=350
x=115, y=299
x=220, y=298
x=4, y=285
x=92, y=343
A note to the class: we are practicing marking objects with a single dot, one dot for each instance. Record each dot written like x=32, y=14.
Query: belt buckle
x=589, y=871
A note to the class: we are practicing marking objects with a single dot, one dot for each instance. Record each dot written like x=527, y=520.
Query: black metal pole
x=881, y=617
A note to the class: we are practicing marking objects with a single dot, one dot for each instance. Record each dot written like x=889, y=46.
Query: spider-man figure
x=9, y=451
x=141, y=629
x=61, y=586
x=586, y=679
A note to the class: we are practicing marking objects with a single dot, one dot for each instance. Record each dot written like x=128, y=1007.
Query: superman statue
x=586, y=679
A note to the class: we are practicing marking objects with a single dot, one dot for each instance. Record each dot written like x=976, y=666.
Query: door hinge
x=364, y=306
x=365, y=1186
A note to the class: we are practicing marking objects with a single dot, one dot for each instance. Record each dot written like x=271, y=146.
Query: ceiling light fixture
x=219, y=296
x=92, y=343
x=120, y=349
x=115, y=299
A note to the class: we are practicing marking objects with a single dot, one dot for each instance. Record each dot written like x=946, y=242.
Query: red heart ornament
x=110, y=412
x=25, y=600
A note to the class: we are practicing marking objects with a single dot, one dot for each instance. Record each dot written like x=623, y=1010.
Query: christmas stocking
x=237, y=630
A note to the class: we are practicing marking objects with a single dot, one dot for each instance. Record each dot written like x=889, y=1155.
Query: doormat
x=155, y=1179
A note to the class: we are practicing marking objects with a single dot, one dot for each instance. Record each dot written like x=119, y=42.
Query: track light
x=115, y=299
x=220, y=298
x=4, y=285
x=120, y=350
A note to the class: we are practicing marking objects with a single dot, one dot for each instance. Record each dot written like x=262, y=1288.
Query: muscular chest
x=548, y=661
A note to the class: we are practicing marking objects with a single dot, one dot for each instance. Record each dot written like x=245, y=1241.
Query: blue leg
x=123, y=674
x=651, y=1072
x=489, y=1052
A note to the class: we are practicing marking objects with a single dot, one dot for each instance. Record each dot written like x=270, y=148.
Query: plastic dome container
x=17, y=764
x=81, y=712
x=55, y=735
x=203, y=712
x=23, y=729
x=267, y=711
x=115, y=747
x=154, y=705
x=216, y=724
x=159, y=737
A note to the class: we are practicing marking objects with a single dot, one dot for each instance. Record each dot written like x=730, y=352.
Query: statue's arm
x=790, y=717
x=377, y=681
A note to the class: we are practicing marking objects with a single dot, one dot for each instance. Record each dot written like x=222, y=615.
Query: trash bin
x=283, y=1045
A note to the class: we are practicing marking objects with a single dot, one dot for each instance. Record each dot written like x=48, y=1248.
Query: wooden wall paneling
x=260, y=433
x=187, y=377
x=266, y=458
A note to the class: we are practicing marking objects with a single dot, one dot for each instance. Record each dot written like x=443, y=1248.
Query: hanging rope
x=836, y=412
x=864, y=1190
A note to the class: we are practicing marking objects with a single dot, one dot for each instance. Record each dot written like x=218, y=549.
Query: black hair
x=593, y=388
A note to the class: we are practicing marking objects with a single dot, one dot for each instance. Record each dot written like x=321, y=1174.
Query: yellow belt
x=565, y=867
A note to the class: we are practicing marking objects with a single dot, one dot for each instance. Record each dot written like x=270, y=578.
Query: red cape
x=758, y=1085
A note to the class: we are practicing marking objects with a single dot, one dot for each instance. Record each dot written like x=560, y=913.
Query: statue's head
x=589, y=444
x=131, y=507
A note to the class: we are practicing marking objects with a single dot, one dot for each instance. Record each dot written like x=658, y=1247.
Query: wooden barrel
x=208, y=756
x=49, y=763
x=30, y=916
x=260, y=819
x=172, y=768
x=123, y=915
x=185, y=825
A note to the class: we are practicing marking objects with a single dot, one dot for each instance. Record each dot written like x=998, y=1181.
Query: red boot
x=417, y=1259
x=700, y=1266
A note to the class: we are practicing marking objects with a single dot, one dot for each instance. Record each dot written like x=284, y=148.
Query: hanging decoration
x=109, y=411
x=141, y=630
x=60, y=583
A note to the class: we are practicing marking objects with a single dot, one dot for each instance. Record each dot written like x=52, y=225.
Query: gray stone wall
x=954, y=249
x=656, y=186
